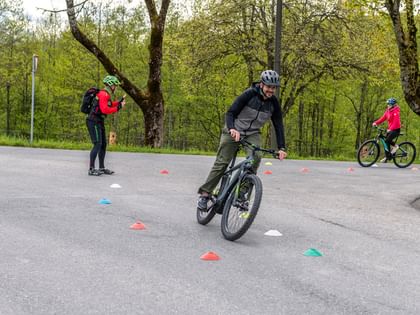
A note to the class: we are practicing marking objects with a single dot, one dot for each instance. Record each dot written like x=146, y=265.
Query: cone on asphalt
x=350, y=169
x=268, y=172
x=304, y=170
x=312, y=252
x=273, y=233
x=164, y=172
x=268, y=163
x=210, y=256
x=104, y=201
x=138, y=226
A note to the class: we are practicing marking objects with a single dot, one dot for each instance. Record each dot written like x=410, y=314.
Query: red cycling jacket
x=392, y=115
x=105, y=106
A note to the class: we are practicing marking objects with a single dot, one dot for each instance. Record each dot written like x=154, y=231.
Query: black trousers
x=390, y=136
x=97, y=135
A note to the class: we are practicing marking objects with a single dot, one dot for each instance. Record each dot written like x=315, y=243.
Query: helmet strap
x=262, y=90
x=109, y=90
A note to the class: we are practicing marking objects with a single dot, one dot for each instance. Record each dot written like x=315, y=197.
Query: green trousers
x=227, y=150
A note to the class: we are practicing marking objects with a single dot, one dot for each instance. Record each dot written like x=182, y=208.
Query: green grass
x=67, y=145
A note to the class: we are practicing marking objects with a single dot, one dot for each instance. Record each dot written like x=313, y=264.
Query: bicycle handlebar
x=254, y=147
x=379, y=128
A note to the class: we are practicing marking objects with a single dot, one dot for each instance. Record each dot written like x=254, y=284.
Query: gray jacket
x=250, y=111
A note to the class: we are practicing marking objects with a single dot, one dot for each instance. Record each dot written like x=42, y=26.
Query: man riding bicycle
x=245, y=119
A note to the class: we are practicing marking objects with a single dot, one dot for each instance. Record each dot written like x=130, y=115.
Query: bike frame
x=381, y=139
x=384, y=144
x=231, y=181
x=243, y=168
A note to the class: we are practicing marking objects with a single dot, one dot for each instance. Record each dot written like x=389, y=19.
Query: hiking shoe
x=384, y=160
x=106, y=171
x=94, y=172
x=202, y=203
x=394, y=149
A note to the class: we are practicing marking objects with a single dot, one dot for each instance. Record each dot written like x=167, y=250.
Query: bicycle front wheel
x=405, y=154
x=241, y=207
x=368, y=153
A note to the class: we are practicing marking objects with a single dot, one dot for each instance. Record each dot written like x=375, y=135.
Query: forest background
x=339, y=64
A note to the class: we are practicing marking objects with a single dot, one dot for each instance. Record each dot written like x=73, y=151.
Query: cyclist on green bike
x=392, y=115
x=245, y=118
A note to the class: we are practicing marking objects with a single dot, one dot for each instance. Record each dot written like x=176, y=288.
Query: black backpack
x=89, y=100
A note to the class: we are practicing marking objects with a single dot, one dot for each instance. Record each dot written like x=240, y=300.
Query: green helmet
x=111, y=80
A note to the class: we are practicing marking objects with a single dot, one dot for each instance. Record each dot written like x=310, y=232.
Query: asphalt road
x=64, y=253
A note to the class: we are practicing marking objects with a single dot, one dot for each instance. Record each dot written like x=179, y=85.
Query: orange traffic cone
x=350, y=169
x=210, y=256
x=268, y=172
x=304, y=170
x=164, y=172
x=138, y=226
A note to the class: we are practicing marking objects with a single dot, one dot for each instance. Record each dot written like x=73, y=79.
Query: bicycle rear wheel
x=405, y=154
x=368, y=153
x=204, y=217
x=241, y=207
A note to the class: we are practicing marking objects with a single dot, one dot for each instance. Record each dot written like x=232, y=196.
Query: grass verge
x=67, y=145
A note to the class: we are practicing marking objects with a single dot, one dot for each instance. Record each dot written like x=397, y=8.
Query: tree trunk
x=321, y=129
x=151, y=101
x=155, y=108
x=331, y=122
x=300, y=127
x=407, y=47
x=360, y=111
x=313, y=126
x=8, y=108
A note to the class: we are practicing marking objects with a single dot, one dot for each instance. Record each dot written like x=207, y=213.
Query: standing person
x=105, y=104
x=245, y=118
x=392, y=115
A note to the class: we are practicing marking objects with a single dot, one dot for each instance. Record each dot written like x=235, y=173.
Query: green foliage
x=339, y=65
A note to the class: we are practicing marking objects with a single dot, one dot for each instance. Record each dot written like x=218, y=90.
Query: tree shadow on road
x=416, y=203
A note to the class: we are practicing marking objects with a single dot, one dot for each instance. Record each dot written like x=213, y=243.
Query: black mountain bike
x=369, y=151
x=237, y=197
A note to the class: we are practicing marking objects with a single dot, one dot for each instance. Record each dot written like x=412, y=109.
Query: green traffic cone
x=312, y=252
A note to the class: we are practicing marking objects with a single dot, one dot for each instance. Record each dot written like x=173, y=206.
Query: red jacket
x=106, y=105
x=392, y=115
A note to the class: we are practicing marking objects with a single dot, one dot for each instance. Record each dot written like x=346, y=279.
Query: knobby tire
x=368, y=153
x=232, y=215
x=405, y=154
